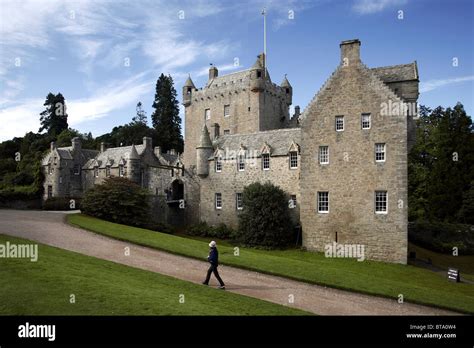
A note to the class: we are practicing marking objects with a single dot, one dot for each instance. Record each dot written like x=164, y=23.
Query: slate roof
x=279, y=141
x=65, y=153
x=113, y=156
x=395, y=73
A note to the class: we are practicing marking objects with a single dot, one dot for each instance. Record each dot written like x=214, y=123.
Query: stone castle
x=342, y=161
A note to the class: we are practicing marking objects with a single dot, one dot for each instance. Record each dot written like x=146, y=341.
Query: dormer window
x=241, y=163
x=55, y=160
x=218, y=164
x=121, y=171
x=266, y=161
x=96, y=172
x=77, y=169
x=107, y=171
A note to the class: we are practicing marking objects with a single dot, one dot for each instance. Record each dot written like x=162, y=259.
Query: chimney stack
x=147, y=142
x=215, y=131
x=297, y=111
x=102, y=147
x=157, y=151
x=350, y=52
x=76, y=144
x=53, y=146
x=213, y=72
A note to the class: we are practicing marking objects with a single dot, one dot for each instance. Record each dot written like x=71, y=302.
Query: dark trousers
x=213, y=269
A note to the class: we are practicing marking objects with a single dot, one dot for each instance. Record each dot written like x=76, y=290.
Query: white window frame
x=320, y=201
x=96, y=172
x=293, y=198
x=207, y=114
x=265, y=161
x=384, y=152
x=368, y=115
x=322, y=155
x=121, y=170
x=218, y=164
x=339, y=117
x=218, y=200
x=293, y=160
x=241, y=162
x=382, y=212
x=227, y=109
x=239, y=198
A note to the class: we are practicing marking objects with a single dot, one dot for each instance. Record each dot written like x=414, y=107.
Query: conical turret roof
x=205, y=140
x=189, y=82
x=285, y=82
x=133, y=153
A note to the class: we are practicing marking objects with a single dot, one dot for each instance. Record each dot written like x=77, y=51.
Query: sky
x=105, y=56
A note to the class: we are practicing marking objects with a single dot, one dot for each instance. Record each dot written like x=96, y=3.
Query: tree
x=141, y=117
x=441, y=164
x=54, y=118
x=117, y=200
x=265, y=219
x=165, y=118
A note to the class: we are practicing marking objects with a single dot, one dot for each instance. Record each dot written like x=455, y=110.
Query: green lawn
x=377, y=278
x=106, y=288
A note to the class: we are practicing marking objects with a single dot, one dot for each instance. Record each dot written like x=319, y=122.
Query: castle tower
x=203, y=151
x=134, y=166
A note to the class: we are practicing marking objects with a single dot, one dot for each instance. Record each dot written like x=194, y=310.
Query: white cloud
x=435, y=84
x=374, y=6
x=19, y=119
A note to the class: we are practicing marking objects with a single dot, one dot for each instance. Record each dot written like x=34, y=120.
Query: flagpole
x=264, y=13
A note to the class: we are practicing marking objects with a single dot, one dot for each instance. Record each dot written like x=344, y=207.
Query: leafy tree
x=165, y=118
x=441, y=164
x=265, y=219
x=466, y=213
x=54, y=117
x=118, y=200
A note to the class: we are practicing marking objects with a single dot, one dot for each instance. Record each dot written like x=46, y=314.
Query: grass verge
x=417, y=285
x=106, y=288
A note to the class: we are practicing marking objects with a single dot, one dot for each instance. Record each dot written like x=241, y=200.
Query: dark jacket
x=213, y=257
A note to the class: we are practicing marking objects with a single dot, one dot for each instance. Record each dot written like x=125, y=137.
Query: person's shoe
x=222, y=287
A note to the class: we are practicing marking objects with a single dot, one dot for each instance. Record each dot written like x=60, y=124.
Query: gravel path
x=49, y=228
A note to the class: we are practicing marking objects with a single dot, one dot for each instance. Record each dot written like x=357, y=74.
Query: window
x=218, y=200
x=55, y=160
x=107, y=171
x=380, y=152
x=339, y=123
x=241, y=163
x=293, y=160
x=226, y=110
x=293, y=202
x=77, y=169
x=365, y=120
x=207, y=114
x=323, y=202
x=380, y=202
x=226, y=132
x=96, y=172
x=239, y=201
x=172, y=173
x=50, y=191
x=50, y=169
x=324, y=155
x=266, y=161
x=218, y=164
x=60, y=179
x=259, y=74
x=121, y=172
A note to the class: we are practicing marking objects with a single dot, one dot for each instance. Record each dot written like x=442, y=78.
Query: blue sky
x=82, y=49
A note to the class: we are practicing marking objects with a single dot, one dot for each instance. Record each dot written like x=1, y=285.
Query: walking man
x=213, y=259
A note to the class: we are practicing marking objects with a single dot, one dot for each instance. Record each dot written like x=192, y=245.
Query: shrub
x=118, y=200
x=265, y=219
x=202, y=229
x=442, y=237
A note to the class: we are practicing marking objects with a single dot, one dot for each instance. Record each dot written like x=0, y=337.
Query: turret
x=133, y=172
x=188, y=89
x=203, y=151
x=285, y=84
x=213, y=72
x=257, y=81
